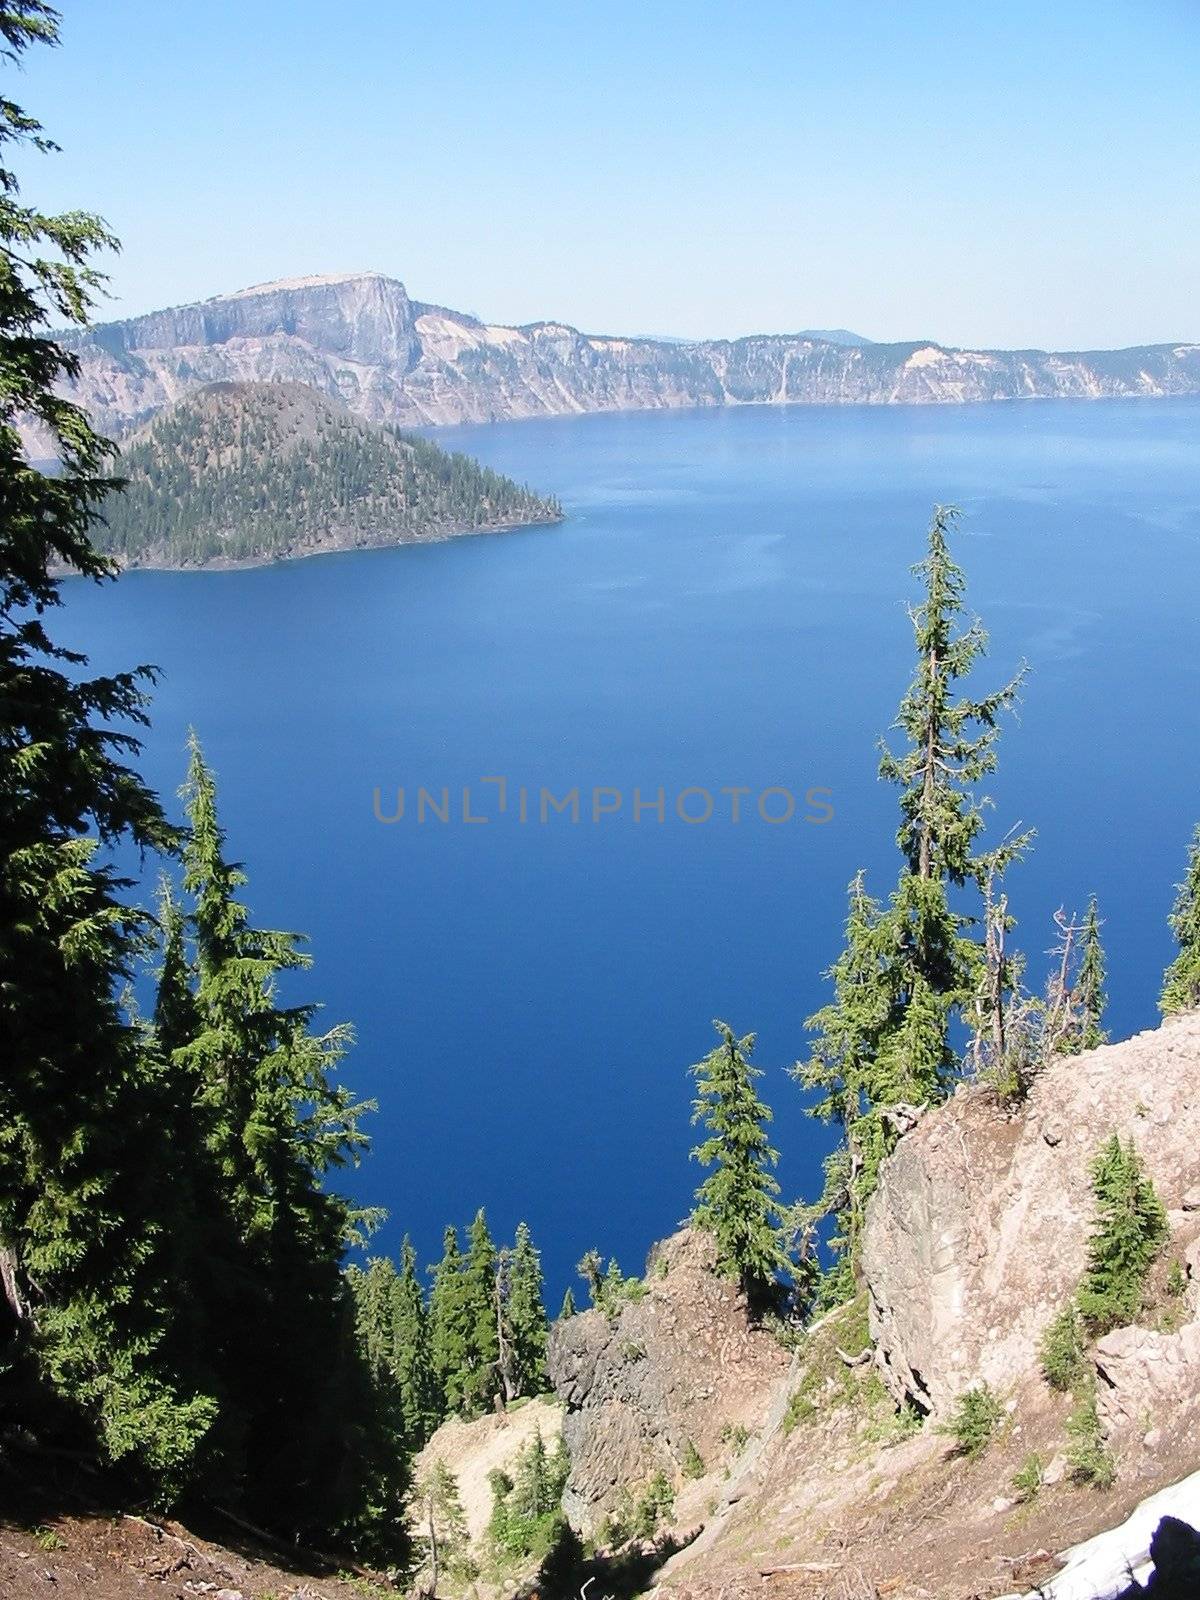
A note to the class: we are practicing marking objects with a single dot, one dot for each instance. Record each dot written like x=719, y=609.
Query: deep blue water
x=723, y=606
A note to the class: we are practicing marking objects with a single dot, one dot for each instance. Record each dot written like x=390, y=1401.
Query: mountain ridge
x=360, y=338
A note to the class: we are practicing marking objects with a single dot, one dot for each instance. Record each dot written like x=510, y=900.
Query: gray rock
x=978, y=1234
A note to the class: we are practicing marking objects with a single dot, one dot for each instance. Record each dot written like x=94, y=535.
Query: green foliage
x=692, y=1464
x=1091, y=993
x=973, y=1423
x=245, y=472
x=88, y=1206
x=1088, y=1457
x=525, y=1316
x=1181, y=981
x=567, y=1309
x=1063, y=1350
x=1028, y=1479
x=611, y=1289
x=442, y=1539
x=1176, y=1280
x=527, y=1520
x=736, y=1203
x=907, y=970
x=1131, y=1228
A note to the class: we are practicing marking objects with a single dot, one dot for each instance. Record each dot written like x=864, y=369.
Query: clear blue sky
x=983, y=172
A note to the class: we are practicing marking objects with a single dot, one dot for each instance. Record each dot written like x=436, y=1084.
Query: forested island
x=243, y=473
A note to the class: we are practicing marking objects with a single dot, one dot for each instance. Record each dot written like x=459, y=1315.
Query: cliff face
x=978, y=1234
x=975, y=1241
x=680, y=1368
x=392, y=359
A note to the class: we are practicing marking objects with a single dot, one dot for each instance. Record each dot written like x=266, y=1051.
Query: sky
x=983, y=172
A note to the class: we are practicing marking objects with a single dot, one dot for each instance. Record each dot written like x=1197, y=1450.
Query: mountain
x=250, y=472
x=361, y=339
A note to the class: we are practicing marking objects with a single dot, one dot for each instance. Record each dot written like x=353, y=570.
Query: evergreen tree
x=1181, y=982
x=449, y=1324
x=1090, y=990
x=1131, y=1228
x=906, y=971
x=88, y=1307
x=589, y=1269
x=481, y=1296
x=412, y=1358
x=304, y=1417
x=567, y=1309
x=736, y=1203
x=526, y=1315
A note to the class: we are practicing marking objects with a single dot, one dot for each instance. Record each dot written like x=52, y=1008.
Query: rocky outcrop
x=978, y=1234
x=473, y=1450
x=682, y=1366
x=360, y=338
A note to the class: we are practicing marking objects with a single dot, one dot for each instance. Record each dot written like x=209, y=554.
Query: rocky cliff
x=834, y=1474
x=978, y=1235
x=391, y=359
x=674, y=1381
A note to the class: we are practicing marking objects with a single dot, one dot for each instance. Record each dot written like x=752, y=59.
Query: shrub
x=1131, y=1228
x=693, y=1462
x=1176, y=1284
x=1088, y=1457
x=977, y=1414
x=1063, y=1350
x=1029, y=1477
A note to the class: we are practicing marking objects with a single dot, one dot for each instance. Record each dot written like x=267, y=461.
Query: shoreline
x=334, y=548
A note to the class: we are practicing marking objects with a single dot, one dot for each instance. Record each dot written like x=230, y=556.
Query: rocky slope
x=975, y=1241
x=250, y=472
x=391, y=359
x=677, y=1372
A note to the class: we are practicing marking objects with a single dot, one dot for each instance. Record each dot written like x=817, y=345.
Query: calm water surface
x=723, y=607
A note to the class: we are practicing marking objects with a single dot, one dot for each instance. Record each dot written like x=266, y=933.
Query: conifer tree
x=1092, y=996
x=1181, y=982
x=568, y=1308
x=906, y=971
x=526, y=1315
x=481, y=1299
x=449, y=1324
x=412, y=1359
x=276, y=1126
x=589, y=1269
x=87, y=1305
x=736, y=1203
x=1131, y=1228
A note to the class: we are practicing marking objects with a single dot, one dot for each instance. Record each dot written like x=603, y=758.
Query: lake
x=724, y=609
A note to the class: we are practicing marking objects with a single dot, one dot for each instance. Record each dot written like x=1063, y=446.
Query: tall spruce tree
x=736, y=1203
x=88, y=1305
x=526, y=1315
x=480, y=1382
x=1089, y=985
x=905, y=971
x=449, y=1324
x=302, y=1423
x=420, y=1400
x=1181, y=981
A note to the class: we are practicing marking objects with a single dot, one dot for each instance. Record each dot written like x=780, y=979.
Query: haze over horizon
x=1001, y=177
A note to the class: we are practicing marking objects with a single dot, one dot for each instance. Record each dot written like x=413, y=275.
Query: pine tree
x=736, y=1203
x=480, y=1287
x=1131, y=1228
x=449, y=1324
x=906, y=971
x=526, y=1315
x=1181, y=981
x=589, y=1269
x=82, y=1158
x=309, y=1432
x=1089, y=986
x=412, y=1358
x=568, y=1308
